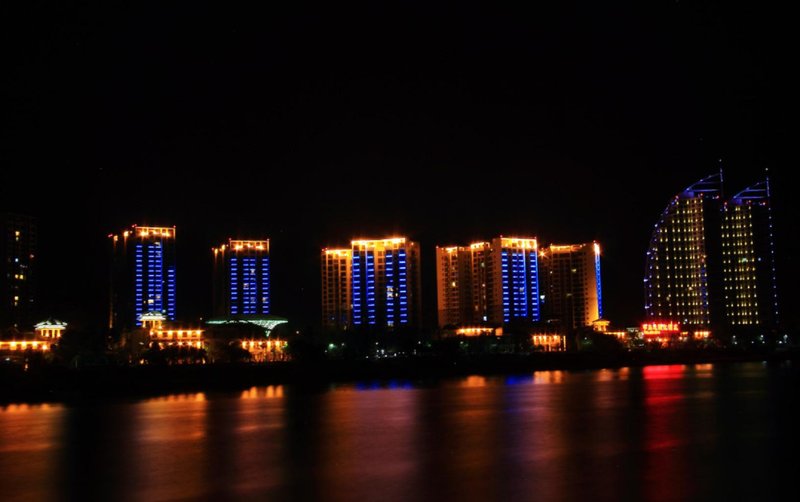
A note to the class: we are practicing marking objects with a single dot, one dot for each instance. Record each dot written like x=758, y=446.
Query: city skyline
x=411, y=250
x=551, y=124
x=753, y=201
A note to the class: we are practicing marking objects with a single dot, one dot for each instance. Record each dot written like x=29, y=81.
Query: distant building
x=571, y=286
x=515, y=280
x=51, y=328
x=257, y=334
x=683, y=259
x=382, y=280
x=170, y=335
x=748, y=260
x=336, y=282
x=143, y=275
x=242, y=278
x=494, y=282
x=18, y=239
x=462, y=284
x=45, y=336
x=711, y=263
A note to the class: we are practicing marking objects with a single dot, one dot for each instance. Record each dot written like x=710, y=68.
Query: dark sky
x=445, y=122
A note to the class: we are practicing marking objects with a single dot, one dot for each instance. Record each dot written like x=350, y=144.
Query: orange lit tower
x=462, y=284
x=242, y=278
x=143, y=275
x=571, y=286
x=336, y=277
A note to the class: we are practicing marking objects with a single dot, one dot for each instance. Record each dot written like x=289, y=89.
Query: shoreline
x=59, y=384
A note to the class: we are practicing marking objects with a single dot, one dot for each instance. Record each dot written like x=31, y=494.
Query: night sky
x=446, y=123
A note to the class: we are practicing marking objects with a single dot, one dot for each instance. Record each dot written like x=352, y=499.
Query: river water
x=693, y=432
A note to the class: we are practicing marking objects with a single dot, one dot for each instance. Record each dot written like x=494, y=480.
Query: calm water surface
x=657, y=433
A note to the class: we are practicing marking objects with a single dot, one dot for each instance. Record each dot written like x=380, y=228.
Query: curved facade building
x=710, y=262
x=748, y=259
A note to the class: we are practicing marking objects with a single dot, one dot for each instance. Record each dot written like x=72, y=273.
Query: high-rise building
x=571, y=286
x=336, y=280
x=493, y=282
x=382, y=279
x=462, y=284
x=748, y=259
x=241, y=278
x=515, y=280
x=683, y=257
x=143, y=275
x=711, y=263
x=17, y=270
x=451, y=290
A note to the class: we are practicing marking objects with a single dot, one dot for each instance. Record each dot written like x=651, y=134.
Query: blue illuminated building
x=143, y=279
x=375, y=283
x=242, y=278
x=515, y=281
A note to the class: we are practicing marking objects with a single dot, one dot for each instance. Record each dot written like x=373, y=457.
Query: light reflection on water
x=673, y=432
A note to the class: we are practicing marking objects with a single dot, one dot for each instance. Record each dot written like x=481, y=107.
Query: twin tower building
x=373, y=283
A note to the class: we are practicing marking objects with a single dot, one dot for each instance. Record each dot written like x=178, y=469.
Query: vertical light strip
x=356, y=281
x=598, y=281
x=139, y=284
x=370, y=275
x=234, y=285
x=403, y=286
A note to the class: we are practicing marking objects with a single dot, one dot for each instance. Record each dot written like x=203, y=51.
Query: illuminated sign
x=661, y=328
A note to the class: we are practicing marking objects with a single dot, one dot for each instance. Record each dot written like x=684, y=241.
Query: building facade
x=748, y=260
x=494, y=282
x=514, y=269
x=336, y=279
x=571, y=284
x=376, y=282
x=241, y=278
x=143, y=276
x=18, y=238
x=462, y=284
x=711, y=262
x=682, y=265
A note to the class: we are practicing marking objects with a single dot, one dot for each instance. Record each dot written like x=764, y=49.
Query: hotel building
x=571, y=287
x=462, y=284
x=336, y=279
x=143, y=275
x=711, y=263
x=748, y=260
x=376, y=282
x=495, y=282
x=241, y=278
